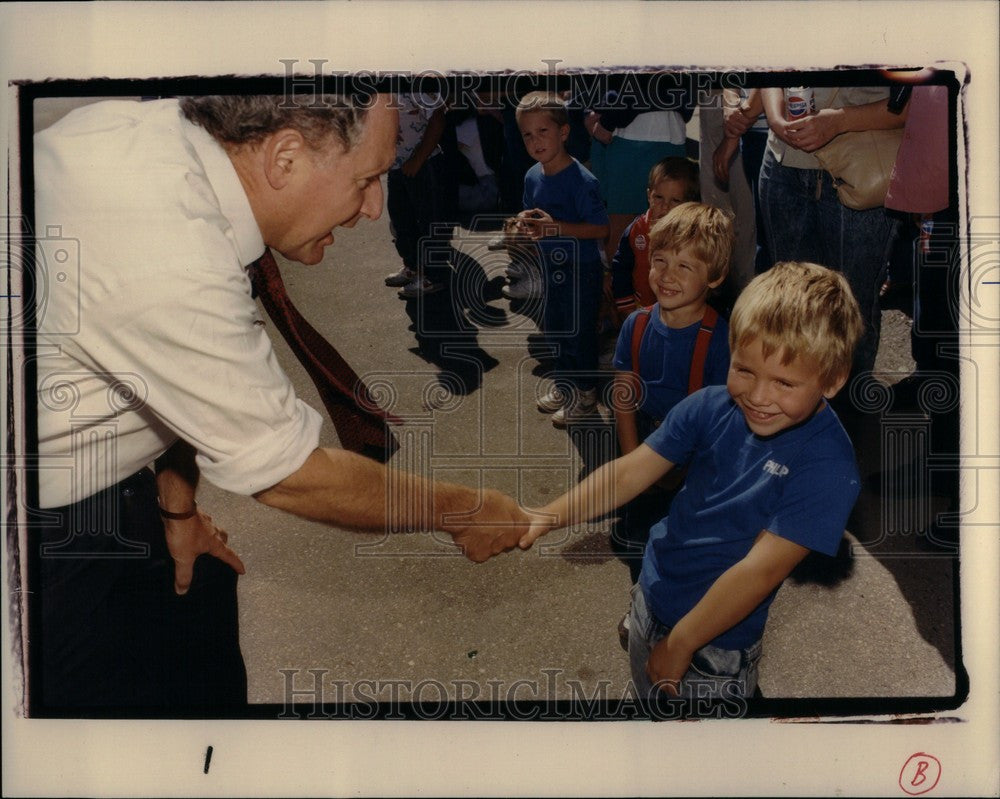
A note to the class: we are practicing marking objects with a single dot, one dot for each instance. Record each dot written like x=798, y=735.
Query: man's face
x=773, y=395
x=332, y=188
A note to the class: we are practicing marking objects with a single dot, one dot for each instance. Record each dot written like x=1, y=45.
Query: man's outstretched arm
x=348, y=490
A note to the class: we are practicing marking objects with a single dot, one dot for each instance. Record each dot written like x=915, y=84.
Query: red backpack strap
x=641, y=320
x=696, y=378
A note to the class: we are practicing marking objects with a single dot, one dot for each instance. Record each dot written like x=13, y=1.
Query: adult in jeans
x=803, y=218
x=160, y=357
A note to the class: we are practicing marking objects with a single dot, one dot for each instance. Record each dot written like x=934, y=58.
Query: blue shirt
x=800, y=484
x=665, y=360
x=570, y=195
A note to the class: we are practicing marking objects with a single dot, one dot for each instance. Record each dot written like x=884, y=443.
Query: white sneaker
x=419, y=287
x=524, y=289
x=552, y=402
x=401, y=278
x=580, y=408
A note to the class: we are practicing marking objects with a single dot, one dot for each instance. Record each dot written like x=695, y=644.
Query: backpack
x=696, y=377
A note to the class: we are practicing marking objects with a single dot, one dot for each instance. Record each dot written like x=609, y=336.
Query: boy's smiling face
x=775, y=396
x=679, y=279
x=544, y=140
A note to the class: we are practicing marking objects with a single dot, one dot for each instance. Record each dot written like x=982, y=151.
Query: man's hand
x=735, y=122
x=189, y=538
x=723, y=157
x=667, y=664
x=495, y=527
x=815, y=130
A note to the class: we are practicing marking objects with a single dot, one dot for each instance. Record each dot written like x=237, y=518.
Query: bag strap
x=641, y=321
x=696, y=378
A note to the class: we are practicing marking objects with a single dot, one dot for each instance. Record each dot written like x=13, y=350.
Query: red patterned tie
x=361, y=425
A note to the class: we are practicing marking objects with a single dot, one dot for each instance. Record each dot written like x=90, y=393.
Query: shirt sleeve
x=589, y=205
x=623, y=347
x=622, y=266
x=211, y=374
x=717, y=364
x=677, y=437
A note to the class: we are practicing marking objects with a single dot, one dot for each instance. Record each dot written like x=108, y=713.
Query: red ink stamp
x=920, y=774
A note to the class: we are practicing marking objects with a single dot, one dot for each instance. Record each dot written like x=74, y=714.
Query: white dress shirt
x=146, y=328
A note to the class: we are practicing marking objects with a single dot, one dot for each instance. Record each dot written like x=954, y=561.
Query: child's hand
x=540, y=525
x=537, y=223
x=666, y=665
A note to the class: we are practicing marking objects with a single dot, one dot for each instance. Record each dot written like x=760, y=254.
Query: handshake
x=497, y=525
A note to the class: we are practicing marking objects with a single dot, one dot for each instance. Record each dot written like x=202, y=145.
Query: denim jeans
x=714, y=673
x=804, y=221
x=572, y=300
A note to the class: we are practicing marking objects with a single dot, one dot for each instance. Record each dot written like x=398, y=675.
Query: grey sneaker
x=552, y=402
x=401, y=278
x=419, y=287
x=581, y=407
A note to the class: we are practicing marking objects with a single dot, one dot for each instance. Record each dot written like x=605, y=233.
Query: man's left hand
x=189, y=538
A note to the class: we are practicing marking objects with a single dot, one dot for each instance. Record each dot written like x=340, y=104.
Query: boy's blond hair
x=674, y=167
x=801, y=310
x=545, y=102
x=707, y=229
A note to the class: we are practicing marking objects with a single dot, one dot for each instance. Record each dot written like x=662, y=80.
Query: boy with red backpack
x=669, y=349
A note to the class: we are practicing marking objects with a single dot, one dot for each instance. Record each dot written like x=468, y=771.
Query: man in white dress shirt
x=160, y=357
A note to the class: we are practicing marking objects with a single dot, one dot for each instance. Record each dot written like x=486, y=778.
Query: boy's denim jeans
x=714, y=674
x=572, y=300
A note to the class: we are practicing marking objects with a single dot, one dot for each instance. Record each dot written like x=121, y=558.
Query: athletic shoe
x=579, y=409
x=401, y=278
x=551, y=402
x=419, y=287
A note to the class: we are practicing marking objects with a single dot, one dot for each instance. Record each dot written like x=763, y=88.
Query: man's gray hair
x=237, y=120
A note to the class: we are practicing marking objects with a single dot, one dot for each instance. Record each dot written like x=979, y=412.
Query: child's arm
x=609, y=487
x=626, y=391
x=732, y=597
x=430, y=140
x=540, y=224
x=622, y=266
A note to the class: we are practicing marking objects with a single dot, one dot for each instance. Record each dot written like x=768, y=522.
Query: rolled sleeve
x=211, y=376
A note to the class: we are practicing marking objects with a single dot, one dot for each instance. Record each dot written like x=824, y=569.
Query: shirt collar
x=232, y=198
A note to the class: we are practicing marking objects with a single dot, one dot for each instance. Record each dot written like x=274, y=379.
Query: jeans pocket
x=714, y=663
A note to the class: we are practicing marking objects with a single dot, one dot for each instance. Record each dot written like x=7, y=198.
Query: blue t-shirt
x=665, y=360
x=572, y=194
x=800, y=484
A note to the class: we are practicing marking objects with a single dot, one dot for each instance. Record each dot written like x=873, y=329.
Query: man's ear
x=281, y=151
x=838, y=383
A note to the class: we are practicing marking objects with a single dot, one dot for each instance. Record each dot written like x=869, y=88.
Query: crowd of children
x=732, y=463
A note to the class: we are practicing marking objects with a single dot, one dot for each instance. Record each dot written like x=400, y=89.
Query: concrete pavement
x=386, y=617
